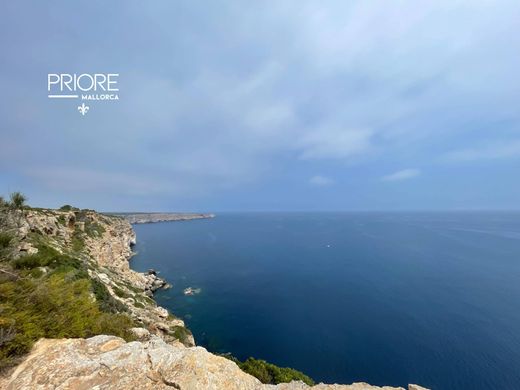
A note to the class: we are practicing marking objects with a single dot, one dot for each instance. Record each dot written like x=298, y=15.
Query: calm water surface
x=429, y=298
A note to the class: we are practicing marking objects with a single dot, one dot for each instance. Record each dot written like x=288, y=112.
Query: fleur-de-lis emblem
x=83, y=109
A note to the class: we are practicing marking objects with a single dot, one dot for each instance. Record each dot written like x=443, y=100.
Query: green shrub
x=94, y=229
x=17, y=200
x=120, y=292
x=181, y=333
x=55, y=307
x=46, y=257
x=5, y=240
x=61, y=220
x=106, y=301
x=78, y=242
x=65, y=207
x=271, y=374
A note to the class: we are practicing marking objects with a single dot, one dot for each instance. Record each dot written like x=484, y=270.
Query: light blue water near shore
x=386, y=298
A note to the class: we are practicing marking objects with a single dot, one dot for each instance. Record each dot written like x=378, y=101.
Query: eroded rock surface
x=108, y=362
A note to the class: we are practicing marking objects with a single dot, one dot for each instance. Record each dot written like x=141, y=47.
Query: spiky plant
x=17, y=200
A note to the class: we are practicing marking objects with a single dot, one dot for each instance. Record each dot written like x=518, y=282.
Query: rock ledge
x=110, y=363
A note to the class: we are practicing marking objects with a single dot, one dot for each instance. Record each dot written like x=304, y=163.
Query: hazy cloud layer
x=320, y=181
x=404, y=174
x=228, y=105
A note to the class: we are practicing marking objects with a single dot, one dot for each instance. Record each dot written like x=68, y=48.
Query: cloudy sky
x=267, y=105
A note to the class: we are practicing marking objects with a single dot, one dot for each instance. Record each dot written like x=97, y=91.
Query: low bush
x=46, y=257
x=181, y=333
x=106, y=301
x=5, y=240
x=56, y=306
x=269, y=373
x=94, y=229
x=78, y=242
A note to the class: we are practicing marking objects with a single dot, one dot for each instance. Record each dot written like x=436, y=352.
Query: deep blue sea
x=385, y=298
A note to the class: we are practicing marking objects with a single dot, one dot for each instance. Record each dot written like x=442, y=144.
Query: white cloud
x=321, y=181
x=336, y=81
x=404, y=174
x=499, y=150
x=334, y=143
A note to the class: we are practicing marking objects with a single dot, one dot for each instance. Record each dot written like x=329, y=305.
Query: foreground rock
x=108, y=362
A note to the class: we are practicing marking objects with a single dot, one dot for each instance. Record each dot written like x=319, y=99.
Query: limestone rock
x=109, y=363
x=161, y=312
x=142, y=334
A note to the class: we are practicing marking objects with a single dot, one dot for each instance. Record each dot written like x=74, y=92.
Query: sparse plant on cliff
x=17, y=200
x=5, y=240
x=269, y=373
x=3, y=203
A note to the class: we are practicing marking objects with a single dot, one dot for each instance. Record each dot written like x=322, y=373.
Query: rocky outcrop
x=108, y=362
x=104, y=243
x=162, y=217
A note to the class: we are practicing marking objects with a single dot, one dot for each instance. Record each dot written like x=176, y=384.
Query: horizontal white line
x=63, y=96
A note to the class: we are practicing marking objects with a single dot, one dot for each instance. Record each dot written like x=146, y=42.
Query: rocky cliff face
x=107, y=362
x=104, y=243
x=165, y=355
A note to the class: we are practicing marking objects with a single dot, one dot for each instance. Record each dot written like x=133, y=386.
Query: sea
x=431, y=298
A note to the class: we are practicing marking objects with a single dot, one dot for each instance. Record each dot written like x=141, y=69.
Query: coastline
x=160, y=354
x=140, y=218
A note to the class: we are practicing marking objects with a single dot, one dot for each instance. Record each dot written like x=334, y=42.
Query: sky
x=265, y=106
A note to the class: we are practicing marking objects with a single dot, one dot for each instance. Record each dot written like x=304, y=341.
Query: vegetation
x=94, y=229
x=17, y=200
x=46, y=257
x=5, y=240
x=54, y=306
x=107, y=302
x=269, y=373
x=181, y=333
x=78, y=242
x=50, y=294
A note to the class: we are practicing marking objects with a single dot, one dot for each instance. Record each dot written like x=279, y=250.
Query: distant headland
x=135, y=218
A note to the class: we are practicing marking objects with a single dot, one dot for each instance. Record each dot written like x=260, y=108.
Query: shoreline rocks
x=154, y=283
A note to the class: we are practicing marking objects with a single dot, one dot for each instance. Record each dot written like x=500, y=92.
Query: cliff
x=73, y=247
x=162, y=217
x=103, y=246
